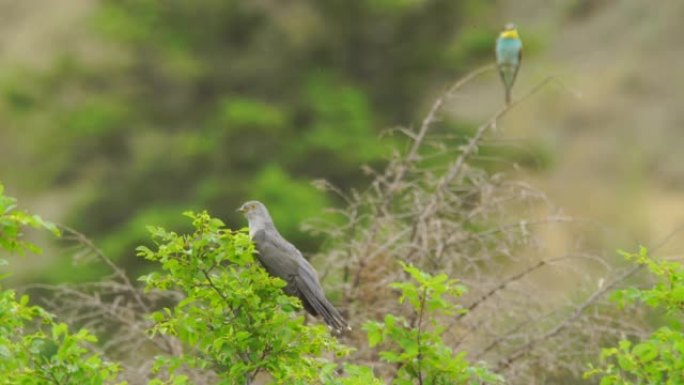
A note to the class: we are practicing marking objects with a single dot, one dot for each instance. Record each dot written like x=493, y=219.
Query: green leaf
x=645, y=352
x=374, y=331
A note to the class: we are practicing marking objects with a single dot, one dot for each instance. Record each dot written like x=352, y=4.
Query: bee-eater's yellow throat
x=509, y=34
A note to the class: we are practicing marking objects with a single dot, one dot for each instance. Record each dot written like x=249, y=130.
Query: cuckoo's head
x=254, y=210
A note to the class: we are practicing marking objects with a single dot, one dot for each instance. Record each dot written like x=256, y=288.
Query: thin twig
x=579, y=310
x=84, y=240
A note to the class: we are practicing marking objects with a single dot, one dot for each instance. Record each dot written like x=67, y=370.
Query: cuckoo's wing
x=283, y=260
x=276, y=258
x=275, y=243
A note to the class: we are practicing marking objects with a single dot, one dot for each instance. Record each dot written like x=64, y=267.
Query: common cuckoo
x=281, y=259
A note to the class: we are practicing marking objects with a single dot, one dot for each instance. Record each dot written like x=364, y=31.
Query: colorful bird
x=508, y=56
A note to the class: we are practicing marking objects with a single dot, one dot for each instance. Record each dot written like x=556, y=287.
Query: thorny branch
x=466, y=152
x=445, y=213
x=118, y=272
x=386, y=194
x=579, y=310
x=113, y=306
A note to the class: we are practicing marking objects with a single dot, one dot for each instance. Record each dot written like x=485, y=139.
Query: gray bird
x=281, y=259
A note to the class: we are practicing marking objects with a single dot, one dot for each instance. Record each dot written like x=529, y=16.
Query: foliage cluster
x=417, y=346
x=234, y=317
x=659, y=358
x=12, y=223
x=231, y=324
x=236, y=323
x=34, y=347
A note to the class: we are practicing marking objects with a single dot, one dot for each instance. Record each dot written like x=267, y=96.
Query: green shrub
x=34, y=348
x=658, y=359
x=416, y=346
x=234, y=320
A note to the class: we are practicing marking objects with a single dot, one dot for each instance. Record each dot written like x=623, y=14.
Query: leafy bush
x=234, y=318
x=34, y=348
x=236, y=322
x=12, y=223
x=416, y=346
x=658, y=359
x=232, y=323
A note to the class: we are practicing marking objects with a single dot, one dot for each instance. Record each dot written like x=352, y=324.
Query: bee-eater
x=508, y=57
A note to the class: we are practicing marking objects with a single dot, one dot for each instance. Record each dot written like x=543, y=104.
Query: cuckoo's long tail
x=317, y=304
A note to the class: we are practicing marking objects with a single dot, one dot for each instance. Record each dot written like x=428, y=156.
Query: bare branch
x=522, y=350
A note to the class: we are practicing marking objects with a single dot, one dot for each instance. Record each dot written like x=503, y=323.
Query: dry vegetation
x=532, y=314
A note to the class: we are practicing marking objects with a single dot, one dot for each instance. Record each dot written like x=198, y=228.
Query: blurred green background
x=115, y=115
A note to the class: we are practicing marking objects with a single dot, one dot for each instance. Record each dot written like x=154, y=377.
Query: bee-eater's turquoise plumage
x=508, y=57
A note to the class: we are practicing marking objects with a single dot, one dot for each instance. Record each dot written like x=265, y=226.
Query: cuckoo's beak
x=240, y=209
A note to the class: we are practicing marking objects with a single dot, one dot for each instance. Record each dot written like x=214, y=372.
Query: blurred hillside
x=118, y=114
x=614, y=126
x=136, y=111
